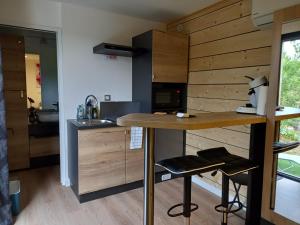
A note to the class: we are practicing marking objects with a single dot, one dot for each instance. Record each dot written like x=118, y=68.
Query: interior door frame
x=64, y=178
x=280, y=17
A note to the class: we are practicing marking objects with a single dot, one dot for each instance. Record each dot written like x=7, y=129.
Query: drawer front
x=43, y=146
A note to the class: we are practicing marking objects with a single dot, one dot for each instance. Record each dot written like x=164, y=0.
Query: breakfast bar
x=206, y=121
x=202, y=121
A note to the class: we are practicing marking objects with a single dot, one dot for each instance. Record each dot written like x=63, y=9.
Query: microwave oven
x=168, y=97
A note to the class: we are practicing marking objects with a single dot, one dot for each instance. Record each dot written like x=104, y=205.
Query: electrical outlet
x=107, y=98
x=166, y=176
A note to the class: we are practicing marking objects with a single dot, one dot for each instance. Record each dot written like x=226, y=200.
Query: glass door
x=289, y=96
x=287, y=186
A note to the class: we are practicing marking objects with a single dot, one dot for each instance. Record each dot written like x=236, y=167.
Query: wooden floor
x=46, y=202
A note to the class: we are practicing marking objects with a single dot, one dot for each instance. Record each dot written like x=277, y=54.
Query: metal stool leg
x=225, y=196
x=187, y=199
x=237, y=195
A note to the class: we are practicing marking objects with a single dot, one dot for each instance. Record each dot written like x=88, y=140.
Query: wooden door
x=17, y=129
x=14, y=77
x=169, y=58
x=101, y=158
x=134, y=161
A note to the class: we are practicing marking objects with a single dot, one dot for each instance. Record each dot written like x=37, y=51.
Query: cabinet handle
x=22, y=94
x=11, y=130
x=153, y=76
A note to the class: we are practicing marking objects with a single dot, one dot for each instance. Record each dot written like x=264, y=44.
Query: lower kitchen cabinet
x=101, y=162
x=134, y=161
x=101, y=158
x=43, y=146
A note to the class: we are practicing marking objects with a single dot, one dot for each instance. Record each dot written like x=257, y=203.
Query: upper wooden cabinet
x=169, y=58
x=13, y=62
x=12, y=42
x=14, y=77
x=161, y=57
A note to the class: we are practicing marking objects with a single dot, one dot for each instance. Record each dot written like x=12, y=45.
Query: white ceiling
x=156, y=10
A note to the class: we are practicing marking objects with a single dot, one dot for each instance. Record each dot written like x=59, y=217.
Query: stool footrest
x=193, y=208
x=221, y=209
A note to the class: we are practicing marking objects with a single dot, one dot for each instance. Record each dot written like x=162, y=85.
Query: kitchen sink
x=93, y=122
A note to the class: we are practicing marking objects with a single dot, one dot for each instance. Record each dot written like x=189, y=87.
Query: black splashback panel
x=113, y=110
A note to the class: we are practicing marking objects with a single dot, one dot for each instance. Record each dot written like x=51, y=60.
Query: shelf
x=287, y=113
x=112, y=49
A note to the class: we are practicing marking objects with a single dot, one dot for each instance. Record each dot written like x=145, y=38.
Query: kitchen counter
x=91, y=124
x=199, y=121
x=101, y=162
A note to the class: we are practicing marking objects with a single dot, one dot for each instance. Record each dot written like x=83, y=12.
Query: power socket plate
x=166, y=176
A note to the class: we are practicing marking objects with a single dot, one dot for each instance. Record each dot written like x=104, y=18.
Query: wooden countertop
x=200, y=121
x=287, y=113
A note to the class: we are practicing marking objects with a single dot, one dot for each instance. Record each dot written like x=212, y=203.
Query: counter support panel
x=254, y=191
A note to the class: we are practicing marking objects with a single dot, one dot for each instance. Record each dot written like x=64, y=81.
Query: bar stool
x=242, y=179
x=187, y=166
x=234, y=165
x=279, y=147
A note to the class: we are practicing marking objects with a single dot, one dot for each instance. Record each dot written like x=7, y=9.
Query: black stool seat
x=242, y=179
x=217, y=155
x=237, y=166
x=279, y=147
x=189, y=164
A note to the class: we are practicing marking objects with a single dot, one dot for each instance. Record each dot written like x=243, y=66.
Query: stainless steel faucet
x=89, y=105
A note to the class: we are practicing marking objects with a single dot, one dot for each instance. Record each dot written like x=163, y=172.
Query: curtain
x=5, y=212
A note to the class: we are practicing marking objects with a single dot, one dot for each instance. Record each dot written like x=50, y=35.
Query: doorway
x=40, y=93
x=30, y=78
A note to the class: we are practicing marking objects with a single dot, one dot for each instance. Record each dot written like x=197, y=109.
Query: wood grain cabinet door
x=101, y=158
x=17, y=129
x=134, y=161
x=169, y=58
x=14, y=77
x=13, y=62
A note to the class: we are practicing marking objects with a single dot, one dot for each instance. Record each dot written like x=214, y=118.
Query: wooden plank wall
x=224, y=48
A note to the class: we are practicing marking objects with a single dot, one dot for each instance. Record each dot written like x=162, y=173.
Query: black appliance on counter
x=113, y=110
x=157, y=97
x=168, y=97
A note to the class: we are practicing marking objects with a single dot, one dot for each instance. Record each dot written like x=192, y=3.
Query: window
x=289, y=96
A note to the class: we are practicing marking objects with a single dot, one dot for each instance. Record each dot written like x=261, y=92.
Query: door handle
x=22, y=94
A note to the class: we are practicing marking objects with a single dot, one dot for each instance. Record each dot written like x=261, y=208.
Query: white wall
x=31, y=13
x=80, y=71
x=87, y=73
